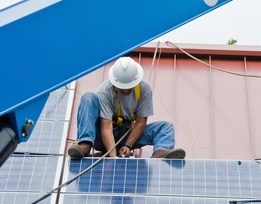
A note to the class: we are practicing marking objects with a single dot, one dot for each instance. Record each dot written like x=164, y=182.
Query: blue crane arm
x=60, y=43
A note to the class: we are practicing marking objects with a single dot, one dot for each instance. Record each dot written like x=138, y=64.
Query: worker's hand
x=113, y=153
x=125, y=151
x=113, y=156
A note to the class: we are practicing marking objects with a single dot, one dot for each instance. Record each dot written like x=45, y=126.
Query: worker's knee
x=89, y=97
x=166, y=126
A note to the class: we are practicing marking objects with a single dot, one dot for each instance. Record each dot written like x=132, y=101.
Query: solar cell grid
x=56, y=106
x=47, y=138
x=32, y=174
x=24, y=177
x=20, y=197
x=217, y=181
x=132, y=199
x=48, y=131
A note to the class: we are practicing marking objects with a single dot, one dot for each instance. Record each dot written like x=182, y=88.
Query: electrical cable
x=156, y=68
x=46, y=195
x=244, y=201
x=212, y=66
x=207, y=64
x=153, y=60
x=34, y=154
x=258, y=160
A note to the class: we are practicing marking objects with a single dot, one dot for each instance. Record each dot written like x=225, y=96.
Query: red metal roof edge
x=208, y=49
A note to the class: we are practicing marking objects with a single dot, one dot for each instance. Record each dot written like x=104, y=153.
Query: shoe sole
x=176, y=154
x=74, y=152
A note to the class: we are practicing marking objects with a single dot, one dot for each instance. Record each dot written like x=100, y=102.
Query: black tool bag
x=119, y=130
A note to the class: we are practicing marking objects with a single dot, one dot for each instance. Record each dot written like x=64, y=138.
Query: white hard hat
x=125, y=73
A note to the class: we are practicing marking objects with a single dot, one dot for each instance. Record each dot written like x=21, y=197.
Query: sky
x=239, y=19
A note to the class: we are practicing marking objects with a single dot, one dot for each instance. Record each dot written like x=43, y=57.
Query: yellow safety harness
x=118, y=118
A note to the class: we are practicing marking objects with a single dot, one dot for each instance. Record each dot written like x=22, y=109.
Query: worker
x=122, y=102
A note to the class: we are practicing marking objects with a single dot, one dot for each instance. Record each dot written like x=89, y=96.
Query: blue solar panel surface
x=190, y=181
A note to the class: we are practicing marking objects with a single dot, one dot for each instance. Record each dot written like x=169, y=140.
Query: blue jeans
x=159, y=134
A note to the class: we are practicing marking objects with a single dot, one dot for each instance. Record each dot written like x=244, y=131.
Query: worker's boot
x=170, y=154
x=79, y=150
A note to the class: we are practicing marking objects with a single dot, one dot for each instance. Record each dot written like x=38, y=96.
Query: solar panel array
x=25, y=177
x=29, y=172
x=163, y=181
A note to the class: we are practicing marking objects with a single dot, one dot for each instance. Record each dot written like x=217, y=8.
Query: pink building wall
x=216, y=115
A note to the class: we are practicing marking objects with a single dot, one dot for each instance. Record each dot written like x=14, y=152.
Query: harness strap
x=137, y=90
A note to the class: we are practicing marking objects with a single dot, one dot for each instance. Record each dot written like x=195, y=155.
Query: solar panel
x=48, y=133
x=168, y=181
x=56, y=106
x=137, y=199
x=28, y=174
x=24, y=178
x=20, y=197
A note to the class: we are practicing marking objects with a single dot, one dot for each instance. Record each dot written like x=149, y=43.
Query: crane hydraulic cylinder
x=8, y=142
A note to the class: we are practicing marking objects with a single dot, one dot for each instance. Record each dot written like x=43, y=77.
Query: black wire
x=34, y=154
x=66, y=87
x=244, y=201
x=258, y=160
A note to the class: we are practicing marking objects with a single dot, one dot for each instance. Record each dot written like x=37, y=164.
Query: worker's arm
x=107, y=136
x=134, y=135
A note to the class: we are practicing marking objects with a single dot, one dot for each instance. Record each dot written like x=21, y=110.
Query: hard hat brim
x=127, y=85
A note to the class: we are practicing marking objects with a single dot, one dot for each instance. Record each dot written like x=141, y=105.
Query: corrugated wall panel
x=231, y=124
x=193, y=118
x=254, y=95
x=216, y=115
x=162, y=84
